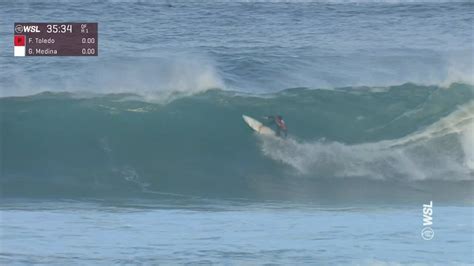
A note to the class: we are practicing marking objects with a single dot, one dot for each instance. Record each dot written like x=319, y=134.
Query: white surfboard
x=258, y=127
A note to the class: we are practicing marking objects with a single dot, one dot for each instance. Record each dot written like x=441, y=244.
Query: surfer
x=279, y=122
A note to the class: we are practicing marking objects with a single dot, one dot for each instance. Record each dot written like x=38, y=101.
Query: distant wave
x=113, y=144
x=170, y=74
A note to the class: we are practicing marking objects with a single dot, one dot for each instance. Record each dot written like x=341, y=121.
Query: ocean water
x=141, y=156
x=235, y=233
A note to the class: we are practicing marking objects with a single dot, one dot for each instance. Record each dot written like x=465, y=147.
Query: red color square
x=19, y=40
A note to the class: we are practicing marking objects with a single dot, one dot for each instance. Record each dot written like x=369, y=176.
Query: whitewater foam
x=160, y=78
x=430, y=153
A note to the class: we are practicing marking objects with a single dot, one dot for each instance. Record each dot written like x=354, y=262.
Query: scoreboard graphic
x=55, y=39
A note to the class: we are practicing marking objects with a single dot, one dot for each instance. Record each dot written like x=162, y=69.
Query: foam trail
x=458, y=122
x=468, y=146
x=422, y=155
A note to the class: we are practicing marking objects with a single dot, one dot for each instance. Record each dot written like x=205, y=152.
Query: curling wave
x=384, y=142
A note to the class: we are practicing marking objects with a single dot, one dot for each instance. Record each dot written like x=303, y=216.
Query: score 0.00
x=88, y=51
x=88, y=40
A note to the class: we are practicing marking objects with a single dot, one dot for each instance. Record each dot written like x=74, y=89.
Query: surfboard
x=258, y=126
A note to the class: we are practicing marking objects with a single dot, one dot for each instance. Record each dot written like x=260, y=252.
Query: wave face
x=401, y=142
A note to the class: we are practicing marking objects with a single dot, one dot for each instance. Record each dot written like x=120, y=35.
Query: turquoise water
x=404, y=144
x=141, y=156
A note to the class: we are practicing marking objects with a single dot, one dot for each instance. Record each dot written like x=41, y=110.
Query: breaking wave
x=407, y=141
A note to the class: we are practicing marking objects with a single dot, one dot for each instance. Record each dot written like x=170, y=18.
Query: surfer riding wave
x=279, y=123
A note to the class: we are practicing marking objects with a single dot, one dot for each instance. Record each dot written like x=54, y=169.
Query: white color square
x=19, y=50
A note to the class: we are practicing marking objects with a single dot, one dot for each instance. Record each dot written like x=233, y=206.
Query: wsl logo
x=427, y=233
x=27, y=29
